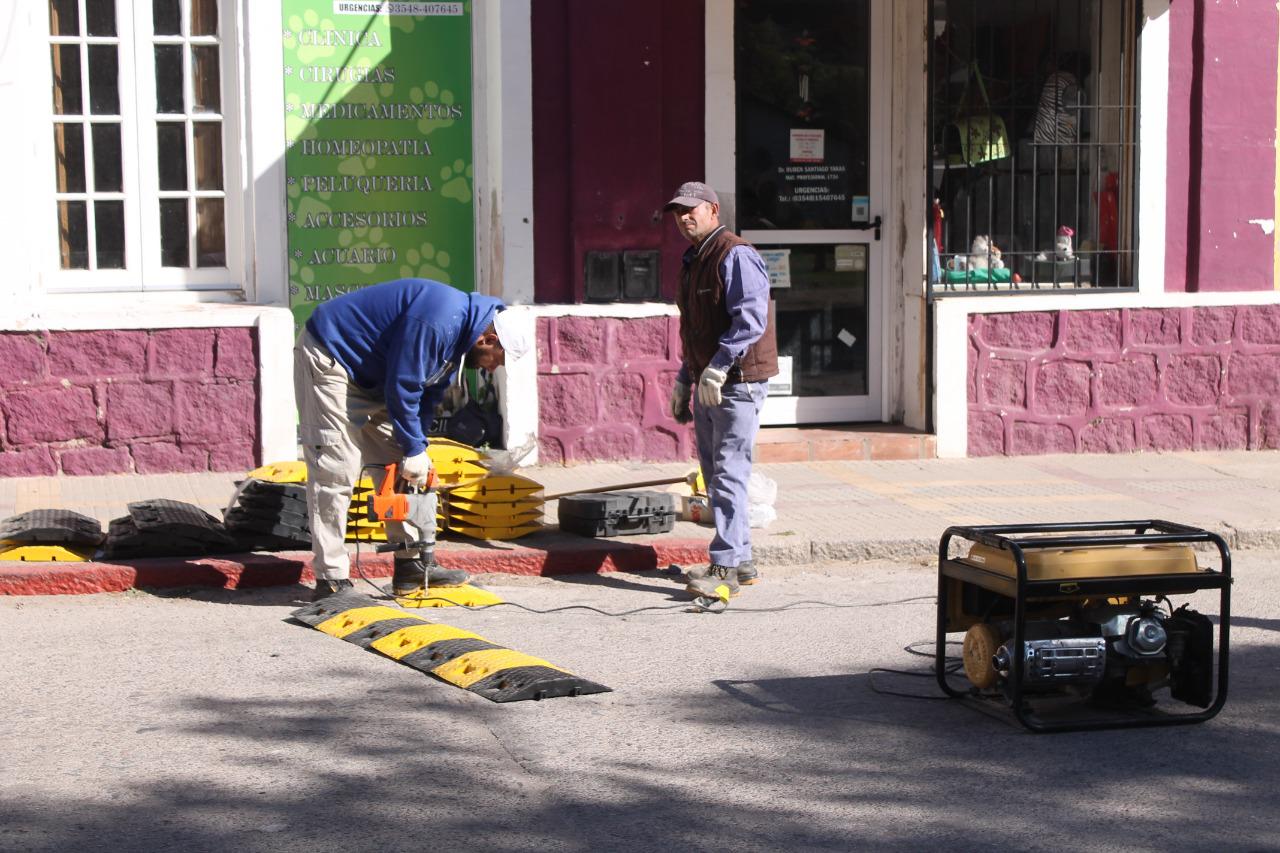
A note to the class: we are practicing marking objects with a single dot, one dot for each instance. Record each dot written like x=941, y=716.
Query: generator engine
x=1071, y=626
x=1110, y=653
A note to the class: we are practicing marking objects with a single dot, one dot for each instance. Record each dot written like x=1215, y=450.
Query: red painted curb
x=243, y=571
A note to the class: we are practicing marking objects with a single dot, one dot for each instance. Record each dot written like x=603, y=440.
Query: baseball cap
x=692, y=194
x=512, y=334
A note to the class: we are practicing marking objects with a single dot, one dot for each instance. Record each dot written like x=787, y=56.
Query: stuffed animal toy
x=984, y=254
x=1062, y=245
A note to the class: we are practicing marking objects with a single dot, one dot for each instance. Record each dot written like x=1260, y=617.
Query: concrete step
x=869, y=442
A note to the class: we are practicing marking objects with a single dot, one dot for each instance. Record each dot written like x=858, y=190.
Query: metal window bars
x=1032, y=146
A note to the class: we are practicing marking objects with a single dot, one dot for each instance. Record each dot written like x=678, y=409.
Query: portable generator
x=1073, y=626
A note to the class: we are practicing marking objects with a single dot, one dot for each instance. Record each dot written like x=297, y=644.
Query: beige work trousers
x=341, y=428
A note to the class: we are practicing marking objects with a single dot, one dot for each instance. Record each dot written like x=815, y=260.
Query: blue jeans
x=725, y=435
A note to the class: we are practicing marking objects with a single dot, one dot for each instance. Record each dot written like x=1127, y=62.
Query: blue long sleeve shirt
x=405, y=340
x=746, y=298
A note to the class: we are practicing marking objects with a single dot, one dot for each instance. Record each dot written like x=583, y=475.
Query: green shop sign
x=378, y=168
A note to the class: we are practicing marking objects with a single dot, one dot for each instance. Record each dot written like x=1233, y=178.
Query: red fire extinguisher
x=1108, y=215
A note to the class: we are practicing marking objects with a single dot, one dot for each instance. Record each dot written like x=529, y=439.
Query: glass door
x=808, y=95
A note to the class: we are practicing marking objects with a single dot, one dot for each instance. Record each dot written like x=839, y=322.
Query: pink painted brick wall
x=603, y=389
x=1123, y=380
x=114, y=402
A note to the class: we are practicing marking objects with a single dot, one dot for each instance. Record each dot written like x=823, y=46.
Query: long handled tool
x=617, y=487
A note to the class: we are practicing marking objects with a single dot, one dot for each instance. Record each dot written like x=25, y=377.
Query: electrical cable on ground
x=953, y=665
x=694, y=606
x=684, y=605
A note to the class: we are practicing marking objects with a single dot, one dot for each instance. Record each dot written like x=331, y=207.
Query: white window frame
x=143, y=271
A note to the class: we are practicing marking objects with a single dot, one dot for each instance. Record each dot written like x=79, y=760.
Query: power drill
x=397, y=500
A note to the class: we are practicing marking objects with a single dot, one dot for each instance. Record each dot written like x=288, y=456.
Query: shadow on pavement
x=820, y=763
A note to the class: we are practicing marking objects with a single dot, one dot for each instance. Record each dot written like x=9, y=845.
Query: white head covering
x=513, y=334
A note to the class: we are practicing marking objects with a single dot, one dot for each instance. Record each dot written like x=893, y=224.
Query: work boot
x=414, y=573
x=326, y=588
x=717, y=577
x=747, y=572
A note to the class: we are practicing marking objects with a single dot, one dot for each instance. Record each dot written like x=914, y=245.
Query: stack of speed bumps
x=163, y=528
x=268, y=516
x=459, y=657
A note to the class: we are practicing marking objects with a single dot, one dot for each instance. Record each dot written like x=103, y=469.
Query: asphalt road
x=208, y=721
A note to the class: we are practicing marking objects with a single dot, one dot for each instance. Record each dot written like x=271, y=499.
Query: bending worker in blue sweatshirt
x=369, y=369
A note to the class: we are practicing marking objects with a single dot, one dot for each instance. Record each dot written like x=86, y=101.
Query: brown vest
x=703, y=317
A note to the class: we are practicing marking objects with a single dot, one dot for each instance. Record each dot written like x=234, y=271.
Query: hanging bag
x=477, y=423
x=977, y=138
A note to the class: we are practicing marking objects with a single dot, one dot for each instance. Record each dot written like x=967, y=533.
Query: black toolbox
x=617, y=513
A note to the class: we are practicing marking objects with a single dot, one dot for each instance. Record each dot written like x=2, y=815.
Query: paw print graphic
x=426, y=262
x=454, y=182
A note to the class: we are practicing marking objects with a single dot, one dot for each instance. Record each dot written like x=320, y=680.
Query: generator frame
x=1020, y=538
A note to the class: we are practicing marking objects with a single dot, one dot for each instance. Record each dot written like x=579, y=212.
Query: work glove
x=681, y=394
x=709, y=386
x=416, y=470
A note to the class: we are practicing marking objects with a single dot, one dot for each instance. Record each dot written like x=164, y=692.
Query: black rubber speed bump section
x=47, y=526
x=163, y=528
x=454, y=655
x=175, y=518
x=269, y=516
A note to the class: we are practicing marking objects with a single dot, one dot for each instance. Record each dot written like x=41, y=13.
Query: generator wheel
x=980, y=644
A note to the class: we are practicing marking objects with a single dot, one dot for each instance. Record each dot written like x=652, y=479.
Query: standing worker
x=369, y=369
x=730, y=352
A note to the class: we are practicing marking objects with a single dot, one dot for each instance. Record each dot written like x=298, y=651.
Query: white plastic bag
x=761, y=515
x=761, y=489
x=505, y=461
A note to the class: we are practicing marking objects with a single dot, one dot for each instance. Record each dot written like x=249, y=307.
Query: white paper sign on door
x=777, y=262
x=808, y=145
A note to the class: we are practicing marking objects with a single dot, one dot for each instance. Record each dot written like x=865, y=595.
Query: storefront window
x=1033, y=147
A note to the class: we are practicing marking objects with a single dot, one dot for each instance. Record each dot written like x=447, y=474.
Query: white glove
x=416, y=470
x=709, y=386
x=681, y=394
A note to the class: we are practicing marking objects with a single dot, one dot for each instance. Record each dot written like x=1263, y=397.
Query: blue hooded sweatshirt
x=404, y=339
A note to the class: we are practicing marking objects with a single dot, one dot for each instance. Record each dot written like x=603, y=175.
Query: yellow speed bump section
x=494, y=532
x=500, y=487
x=493, y=508
x=465, y=595
x=350, y=621
x=280, y=472
x=474, y=666
x=406, y=641
x=452, y=654
x=483, y=519
x=44, y=553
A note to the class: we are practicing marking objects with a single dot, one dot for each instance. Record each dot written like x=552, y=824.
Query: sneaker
x=415, y=573
x=747, y=573
x=716, y=578
x=326, y=588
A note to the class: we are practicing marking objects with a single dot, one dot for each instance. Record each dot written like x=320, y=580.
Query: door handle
x=868, y=226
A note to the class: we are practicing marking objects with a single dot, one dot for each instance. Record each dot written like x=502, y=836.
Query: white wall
x=504, y=149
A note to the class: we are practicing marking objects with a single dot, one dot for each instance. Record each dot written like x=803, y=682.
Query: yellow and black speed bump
x=451, y=654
